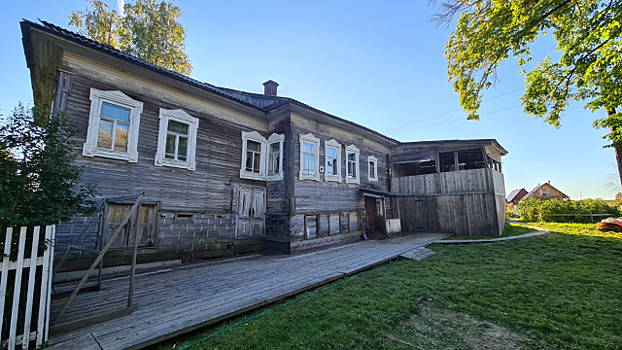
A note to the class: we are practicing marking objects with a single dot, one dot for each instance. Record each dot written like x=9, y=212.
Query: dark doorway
x=372, y=213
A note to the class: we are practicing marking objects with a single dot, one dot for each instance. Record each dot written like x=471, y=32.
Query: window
x=177, y=139
x=309, y=157
x=113, y=126
x=372, y=171
x=275, y=157
x=333, y=161
x=352, y=163
x=262, y=159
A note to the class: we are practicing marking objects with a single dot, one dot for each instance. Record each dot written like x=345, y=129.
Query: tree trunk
x=616, y=148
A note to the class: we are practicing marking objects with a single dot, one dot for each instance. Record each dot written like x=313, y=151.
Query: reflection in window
x=176, y=141
x=274, y=158
x=253, y=156
x=114, y=125
x=331, y=162
x=308, y=158
x=352, y=165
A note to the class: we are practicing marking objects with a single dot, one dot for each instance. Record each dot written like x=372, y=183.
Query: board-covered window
x=352, y=164
x=309, y=157
x=262, y=159
x=177, y=139
x=372, y=166
x=114, y=120
x=333, y=161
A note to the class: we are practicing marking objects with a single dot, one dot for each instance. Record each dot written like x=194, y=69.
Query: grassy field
x=555, y=291
x=508, y=231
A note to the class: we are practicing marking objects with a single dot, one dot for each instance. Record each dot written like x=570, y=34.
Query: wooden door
x=251, y=209
x=146, y=226
x=372, y=213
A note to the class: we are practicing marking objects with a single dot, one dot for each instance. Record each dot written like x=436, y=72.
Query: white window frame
x=310, y=138
x=274, y=138
x=356, y=151
x=254, y=136
x=193, y=124
x=120, y=99
x=336, y=145
x=372, y=159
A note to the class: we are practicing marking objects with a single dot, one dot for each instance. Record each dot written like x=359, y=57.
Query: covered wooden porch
x=178, y=300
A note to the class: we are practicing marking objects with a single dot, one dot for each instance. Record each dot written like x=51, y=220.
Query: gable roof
x=513, y=194
x=535, y=189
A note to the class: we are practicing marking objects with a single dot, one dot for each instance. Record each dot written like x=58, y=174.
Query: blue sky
x=377, y=63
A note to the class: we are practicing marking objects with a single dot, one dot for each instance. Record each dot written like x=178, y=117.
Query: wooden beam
x=98, y=259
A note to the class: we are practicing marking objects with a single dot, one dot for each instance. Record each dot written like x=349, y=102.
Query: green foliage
x=529, y=209
x=39, y=184
x=146, y=29
x=587, y=32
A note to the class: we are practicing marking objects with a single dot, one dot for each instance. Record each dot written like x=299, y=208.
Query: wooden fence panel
x=39, y=284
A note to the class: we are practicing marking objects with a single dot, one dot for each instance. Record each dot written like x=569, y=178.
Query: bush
x=530, y=209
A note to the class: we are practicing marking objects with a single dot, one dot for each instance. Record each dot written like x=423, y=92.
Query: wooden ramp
x=175, y=301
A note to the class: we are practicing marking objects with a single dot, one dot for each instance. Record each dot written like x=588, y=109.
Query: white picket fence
x=31, y=331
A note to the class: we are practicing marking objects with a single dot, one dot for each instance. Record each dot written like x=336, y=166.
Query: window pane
x=115, y=112
x=351, y=156
x=273, y=167
x=305, y=164
x=354, y=170
x=104, y=138
x=308, y=147
x=332, y=152
x=169, y=152
x=275, y=147
x=256, y=163
x=312, y=164
x=253, y=146
x=182, y=149
x=120, y=137
x=249, y=161
x=329, y=167
x=178, y=127
x=372, y=170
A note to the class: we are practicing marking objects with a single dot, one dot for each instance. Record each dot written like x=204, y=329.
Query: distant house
x=545, y=192
x=515, y=196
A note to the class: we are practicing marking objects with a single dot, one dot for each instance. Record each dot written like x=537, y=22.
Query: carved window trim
x=357, y=178
x=310, y=138
x=373, y=159
x=280, y=139
x=117, y=98
x=264, y=156
x=193, y=124
x=336, y=145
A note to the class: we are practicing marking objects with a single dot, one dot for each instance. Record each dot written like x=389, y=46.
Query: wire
x=453, y=121
x=442, y=114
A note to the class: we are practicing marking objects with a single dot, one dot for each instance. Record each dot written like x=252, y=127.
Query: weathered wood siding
x=465, y=203
x=316, y=196
x=206, y=193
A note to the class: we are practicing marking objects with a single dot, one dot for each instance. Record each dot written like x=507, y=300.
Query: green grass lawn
x=508, y=231
x=555, y=291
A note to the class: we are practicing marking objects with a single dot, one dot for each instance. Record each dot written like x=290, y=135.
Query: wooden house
x=226, y=172
x=515, y=196
x=545, y=192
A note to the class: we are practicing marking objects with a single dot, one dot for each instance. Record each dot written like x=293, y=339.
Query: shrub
x=530, y=209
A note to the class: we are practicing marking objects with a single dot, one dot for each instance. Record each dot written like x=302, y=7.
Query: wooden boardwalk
x=179, y=300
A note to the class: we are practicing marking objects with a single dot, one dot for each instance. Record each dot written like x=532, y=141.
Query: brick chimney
x=269, y=88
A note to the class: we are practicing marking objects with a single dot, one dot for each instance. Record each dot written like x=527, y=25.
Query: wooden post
x=133, y=272
x=541, y=217
x=438, y=163
x=456, y=162
x=98, y=259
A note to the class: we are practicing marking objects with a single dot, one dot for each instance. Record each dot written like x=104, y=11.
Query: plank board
x=185, y=298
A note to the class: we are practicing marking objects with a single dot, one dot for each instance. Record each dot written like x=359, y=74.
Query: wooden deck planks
x=189, y=297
